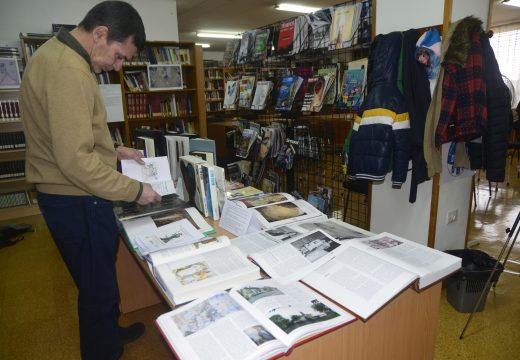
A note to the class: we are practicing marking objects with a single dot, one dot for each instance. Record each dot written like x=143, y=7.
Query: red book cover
x=286, y=37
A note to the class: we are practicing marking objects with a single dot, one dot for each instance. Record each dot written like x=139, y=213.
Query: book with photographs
x=230, y=98
x=266, y=239
x=156, y=223
x=256, y=320
x=288, y=90
x=131, y=210
x=204, y=273
x=368, y=273
x=263, y=89
x=245, y=97
x=246, y=49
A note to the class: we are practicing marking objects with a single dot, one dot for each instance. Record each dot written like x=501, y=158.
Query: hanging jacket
x=494, y=144
x=380, y=140
x=463, y=114
x=418, y=97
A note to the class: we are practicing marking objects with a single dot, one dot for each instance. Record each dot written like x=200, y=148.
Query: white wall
x=399, y=15
x=391, y=210
x=159, y=17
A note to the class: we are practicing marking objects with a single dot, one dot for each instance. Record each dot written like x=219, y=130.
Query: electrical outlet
x=451, y=216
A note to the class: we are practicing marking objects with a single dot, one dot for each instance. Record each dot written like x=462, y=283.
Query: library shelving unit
x=16, y=197
x=165, y=101
x=214, y=85
x=30, y=43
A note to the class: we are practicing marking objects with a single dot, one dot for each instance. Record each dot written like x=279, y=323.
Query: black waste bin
x=465, y=286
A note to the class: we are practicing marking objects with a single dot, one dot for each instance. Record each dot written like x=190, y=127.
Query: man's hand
x=148, y=195
x=126, y=153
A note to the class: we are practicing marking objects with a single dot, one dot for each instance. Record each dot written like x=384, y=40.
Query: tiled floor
x=38, y=313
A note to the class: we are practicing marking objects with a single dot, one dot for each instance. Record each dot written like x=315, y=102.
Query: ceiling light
x=512, y=3
x=295, y=8
x=204, y=45
x=219, y=35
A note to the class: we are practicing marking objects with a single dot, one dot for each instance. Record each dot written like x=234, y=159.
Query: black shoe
x=132, y=332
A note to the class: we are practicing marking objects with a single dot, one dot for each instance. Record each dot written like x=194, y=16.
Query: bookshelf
x=16, y=198
x=164, y=103
x=214, y=87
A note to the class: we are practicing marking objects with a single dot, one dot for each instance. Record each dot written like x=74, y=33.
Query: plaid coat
x=463, y=114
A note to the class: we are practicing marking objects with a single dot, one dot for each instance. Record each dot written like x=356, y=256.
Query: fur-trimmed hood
x=459, y=42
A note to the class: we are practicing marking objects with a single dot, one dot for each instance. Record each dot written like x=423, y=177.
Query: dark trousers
x=85, y=231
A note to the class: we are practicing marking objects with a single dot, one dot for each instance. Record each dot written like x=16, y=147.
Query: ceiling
x=241, y=15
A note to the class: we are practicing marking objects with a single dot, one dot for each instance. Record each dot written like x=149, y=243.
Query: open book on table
x=256, y=320
x=367, y=273
x=152, y=224
x=295, y=258
x=265, y=239
x=202, y=272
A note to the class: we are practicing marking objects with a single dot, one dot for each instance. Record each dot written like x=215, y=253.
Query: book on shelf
x=286, y=37
x=263, y=89
x=261, y=47
x=204, y=145
x=287, y=92
x=230, y=98
x=343, y=29
x=204, y=273
x=301, y=35
x=210, y=191
x=9, y=110
x=352, y=89
x=255, y=320
x=246, y=141
x=368, y=273
x=15, y=198
x=333, y=73
x=246, y=49
x=320, y=22
x=247, y=84
x=155, y=171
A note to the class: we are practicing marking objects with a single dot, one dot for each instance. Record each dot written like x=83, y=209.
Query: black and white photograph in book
x=9, y=73
x=283, y=233
x=277, y=212
x=335, y=230
x=314, y=246
x=165, y=77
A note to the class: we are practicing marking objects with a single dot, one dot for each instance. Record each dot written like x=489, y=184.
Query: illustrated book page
x=429, y=264
x=359, y=281
x=255, y=320
x=200, y=275
x=294, y=259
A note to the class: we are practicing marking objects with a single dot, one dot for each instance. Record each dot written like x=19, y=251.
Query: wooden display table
x=403, y=329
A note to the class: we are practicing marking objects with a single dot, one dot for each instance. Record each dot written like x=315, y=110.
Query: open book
x=265, y=239
x=204, y=273
x=155, y=171
x=294, y=259
x=256, y=320
x=367, y=273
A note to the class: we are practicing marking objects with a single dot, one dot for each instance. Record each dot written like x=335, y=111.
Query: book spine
x=213, y=191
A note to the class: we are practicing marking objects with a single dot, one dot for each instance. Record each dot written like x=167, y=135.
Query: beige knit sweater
x=69, y=148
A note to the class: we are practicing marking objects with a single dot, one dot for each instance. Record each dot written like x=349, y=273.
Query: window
x=506, y=45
